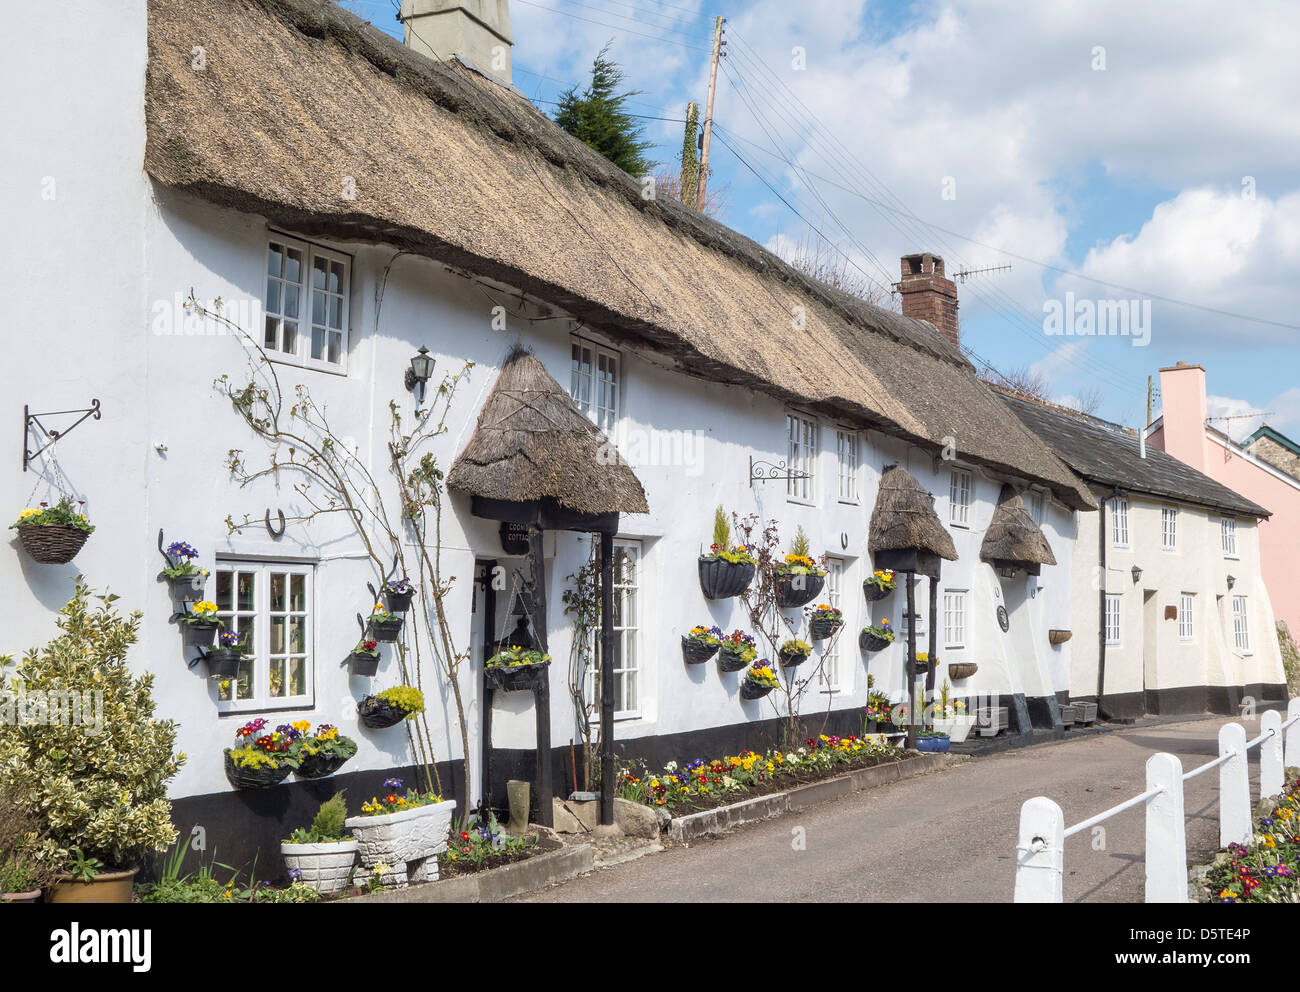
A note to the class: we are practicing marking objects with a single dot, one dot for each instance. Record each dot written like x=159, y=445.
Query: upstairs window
x=954, y=618
x=1228, y=533
x=1119, y=523
x=1037, y=507
x=1186, y=617
x=594, y=382
x=959, y=497
x=846, y=444
x=803, y=443
x=1169, y=528
x=306, y=307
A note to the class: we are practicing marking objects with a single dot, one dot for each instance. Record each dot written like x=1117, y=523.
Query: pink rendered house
x=1184, y=432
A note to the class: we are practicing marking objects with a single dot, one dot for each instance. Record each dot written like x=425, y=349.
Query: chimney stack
x=930, y=295
x=1183, y=412
x=476, y=31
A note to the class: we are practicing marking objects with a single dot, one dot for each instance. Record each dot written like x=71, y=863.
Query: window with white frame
x=1187, y=617
x=1240, y=625
x=954, y=618
x=270, y=603
x=802, y=435
x=1228, y=534
x=831, y=674
x=846, y=444
x=1119, y=523
x=1113, y=606
x=626, y=669
x=922, y=598
x=1037, y=507
x=594, y=382
x=959, y=496
x=1169, y=528
x=306, y=306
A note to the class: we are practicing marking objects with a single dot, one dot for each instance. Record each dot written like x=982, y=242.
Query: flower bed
x=483, y=848
x=704, y=785
x=1268, y=869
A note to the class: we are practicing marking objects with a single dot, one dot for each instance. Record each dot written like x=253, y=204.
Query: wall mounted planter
x=1055, y=637
x=379, y=714
x=187, y=588
x=223, y=663
x=730, y=661
x=398, y=602
x=695, y=653
x=754, y=690
x=872, y=642
x=319, y=765
x=722, y=580
x=323, y=867
x=792, y=659
x=363, y=665
x=798, y=590
x=516, y=678
x=874, y=593
x=52, y=545
x=407, y=842
x=385, y=630
x=962, y=670
x=820, y=630
x=254, y=778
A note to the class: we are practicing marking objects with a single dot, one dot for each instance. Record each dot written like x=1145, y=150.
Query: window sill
x=801, y=502
x=277, y=359
x=850, y=502
x=953, y=523
x=246, y=706
x=1232, y=557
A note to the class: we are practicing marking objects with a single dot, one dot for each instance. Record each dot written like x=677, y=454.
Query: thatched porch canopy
x=533, y=446
x=1013, y=540
x=905, y=532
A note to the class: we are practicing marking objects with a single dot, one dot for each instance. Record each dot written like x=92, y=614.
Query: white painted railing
x=1040, y=849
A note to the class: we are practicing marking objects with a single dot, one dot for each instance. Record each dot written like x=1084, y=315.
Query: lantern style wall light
x=1137, y=575
x=419, y=373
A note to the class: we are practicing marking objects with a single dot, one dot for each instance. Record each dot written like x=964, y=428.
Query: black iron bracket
x=762, y=471
x=30, y=419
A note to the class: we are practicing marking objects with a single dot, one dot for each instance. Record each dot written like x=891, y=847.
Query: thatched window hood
x=905, y=532
x=1013, y=540
x=532, y=445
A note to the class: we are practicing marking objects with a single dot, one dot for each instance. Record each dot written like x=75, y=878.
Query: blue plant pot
x=933, y=745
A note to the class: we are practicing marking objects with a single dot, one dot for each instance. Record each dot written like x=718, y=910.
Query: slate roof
x=1106, y=453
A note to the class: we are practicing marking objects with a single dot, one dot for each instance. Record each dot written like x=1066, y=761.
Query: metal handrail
x=1221, y=759
x=1114, y=810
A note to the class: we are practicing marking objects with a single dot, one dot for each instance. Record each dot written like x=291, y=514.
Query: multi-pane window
x=802, y=435
x=594, y=382
x=846, y=444
x=1240, y=625
x=954, y=618
x=959, y=495
x=306, y=308
x=831, y=668
x=1186, y=616
x=271, y=605
x=905, y=622
x=1228, y=534
x=626, y=669
x=1037, y=506
x=1119, y=523
x=1112, y=619
x=1169, y=528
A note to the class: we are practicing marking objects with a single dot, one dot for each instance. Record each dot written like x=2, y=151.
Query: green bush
x=327, y=825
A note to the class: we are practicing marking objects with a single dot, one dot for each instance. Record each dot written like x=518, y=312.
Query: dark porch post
x=911, y=660
x=933, y=674
x=542, y=695
x=606, y=679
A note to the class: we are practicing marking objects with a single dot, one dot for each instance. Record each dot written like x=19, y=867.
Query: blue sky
x=1151, y=148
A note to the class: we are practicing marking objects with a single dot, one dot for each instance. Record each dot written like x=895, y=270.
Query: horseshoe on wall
x=277, y=534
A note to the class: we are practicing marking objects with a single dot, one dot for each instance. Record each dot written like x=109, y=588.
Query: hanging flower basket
x=721, y=579
x=187, y=588
x=731, y=661
x=874, y=593
x=696, y=652
x=319, y=765
x=385, y=630
x=516, y=678
x=962, y=670
x=379, y=714
x=873, y=642
x=364, y=659
x=792, y=658
x=397, y=595
x=754, y=690
x=52, y=545
x=820, y=630
x=261, y=777
x=922, y=664
x=793, y=591
x=223, y=663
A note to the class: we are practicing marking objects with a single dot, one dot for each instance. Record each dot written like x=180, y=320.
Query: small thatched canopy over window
x=905, y=533
x=1013, y=540
x=533, y=446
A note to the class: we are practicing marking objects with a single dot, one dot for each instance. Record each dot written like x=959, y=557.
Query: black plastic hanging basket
x=379, y=714
x=52, y=545
x=695, y=653
x=754, y=690
x=819, y=630
x=188, y=588
x=320, y=765
x=262, y=777
x=199, y=632
x=798, y=590
x=873, y=642
x=363, y=665
x=398, y=602
x=722, y=580
x=223, y=663
x=792, y=659
x=730, y=661
x=516, y=678
x=386, y=630
x=874, y=593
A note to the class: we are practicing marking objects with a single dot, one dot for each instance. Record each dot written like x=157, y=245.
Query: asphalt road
x=945, y=837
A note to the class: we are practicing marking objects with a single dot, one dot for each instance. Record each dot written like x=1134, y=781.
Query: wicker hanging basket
x=798, y=590
x=730, y=661
x=872, y=642
x=722, y=580
x=820, y=630
x=792, y=659
x=320, y=765
x=695, y=653
x=379, y=714
x=254, y=778
x=516, y=678
x=53, y=544
x=874, y=593
x=754, y=690
x=962, y=670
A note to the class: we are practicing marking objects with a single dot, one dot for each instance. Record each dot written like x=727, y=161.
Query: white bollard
x=1166, y=861
x=1293, y=735
x=1234, y=787
x=1271, y=774
x=1040, y=851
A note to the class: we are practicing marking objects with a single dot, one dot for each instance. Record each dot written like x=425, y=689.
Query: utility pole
x=1151, y=390
x=718, y=44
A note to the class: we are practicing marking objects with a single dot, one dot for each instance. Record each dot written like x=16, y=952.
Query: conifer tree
x=597, y=118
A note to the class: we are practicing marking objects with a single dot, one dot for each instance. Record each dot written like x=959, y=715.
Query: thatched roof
x=299, y=94
x=1013, y=538
x=532, y=443
x=904, y=518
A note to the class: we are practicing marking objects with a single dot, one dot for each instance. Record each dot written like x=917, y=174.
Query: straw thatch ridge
x=532, y=443
x=1013, y=537
x=904, y=518
x=298, y=97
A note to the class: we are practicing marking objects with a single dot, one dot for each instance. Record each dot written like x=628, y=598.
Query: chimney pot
x=930, y=295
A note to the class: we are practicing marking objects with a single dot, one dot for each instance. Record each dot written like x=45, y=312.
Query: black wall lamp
x=1137, y=575
x=1231, y=581
x=420, y=372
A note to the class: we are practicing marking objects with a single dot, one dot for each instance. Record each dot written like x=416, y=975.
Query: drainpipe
x=1101, y=606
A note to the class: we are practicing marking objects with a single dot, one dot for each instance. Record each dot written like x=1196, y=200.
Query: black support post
x=911, y=660
x=542, y=694
x=934, y=635
x=606, y=681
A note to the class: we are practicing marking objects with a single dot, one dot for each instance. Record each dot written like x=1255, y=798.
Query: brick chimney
x=930, y=295
x=478, y=31
x=1183, y=409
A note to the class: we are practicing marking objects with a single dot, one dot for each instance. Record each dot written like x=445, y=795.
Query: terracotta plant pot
x=874, y=593
x=52, y=545
x=363, y=665
x=323, y=867
x=379, y=714
x=798, y=590
x=516, y=678
x=722, y=580
x=695, y=653
x=33, y=896
x=106, y=887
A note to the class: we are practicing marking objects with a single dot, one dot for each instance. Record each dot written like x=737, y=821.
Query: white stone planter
x=957, y=728
x=407, y=842
x=325, y=867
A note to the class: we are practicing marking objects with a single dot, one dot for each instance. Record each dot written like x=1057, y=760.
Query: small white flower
x=671, y=767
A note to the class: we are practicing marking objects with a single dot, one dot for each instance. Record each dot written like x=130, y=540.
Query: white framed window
x=960, y=485
x=954, y=618
x=1240, y=625
x=595, y=382
x=831, y=671
x=1119, y=523
x=802, y=434
x=1187, y=617
x=922, y=599
x=272, y=603
x=307, y=301
x=1228, y=536
x=626, y=670
x=1113, y=611
x=1037, y=507
x=846, y=446
x=1169, y=528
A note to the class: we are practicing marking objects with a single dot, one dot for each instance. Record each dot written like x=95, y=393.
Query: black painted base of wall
x=1188, y=700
